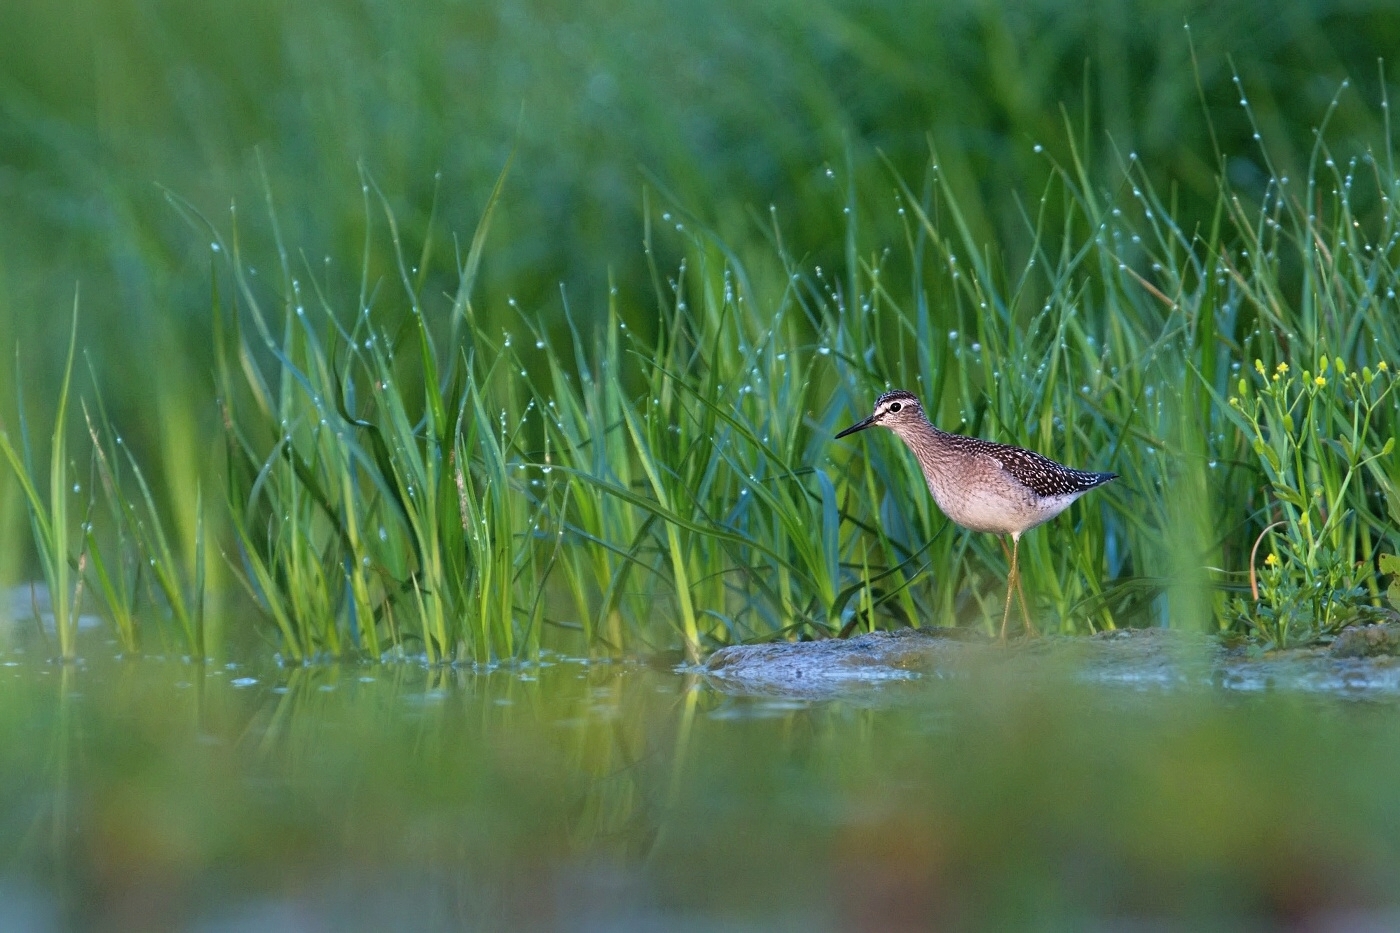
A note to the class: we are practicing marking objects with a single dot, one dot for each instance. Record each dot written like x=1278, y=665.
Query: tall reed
x=405, y=480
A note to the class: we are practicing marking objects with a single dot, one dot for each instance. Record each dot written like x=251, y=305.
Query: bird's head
x=893, y=410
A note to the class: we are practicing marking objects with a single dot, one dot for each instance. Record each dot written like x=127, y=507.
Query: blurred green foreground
x=576, y=796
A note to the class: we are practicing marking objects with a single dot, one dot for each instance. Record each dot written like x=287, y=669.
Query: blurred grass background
x=729, y=107
x=732, y=106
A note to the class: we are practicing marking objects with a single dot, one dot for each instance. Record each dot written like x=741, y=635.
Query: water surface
x=159, y=794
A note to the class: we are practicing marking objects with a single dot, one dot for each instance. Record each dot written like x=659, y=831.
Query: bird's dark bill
x=859, y=426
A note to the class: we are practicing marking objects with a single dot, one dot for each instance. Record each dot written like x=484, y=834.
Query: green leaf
x=1390, y=564
x=1266, y=452
x=831, y=529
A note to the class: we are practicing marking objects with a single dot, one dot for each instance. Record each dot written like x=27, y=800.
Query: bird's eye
x=895, y=406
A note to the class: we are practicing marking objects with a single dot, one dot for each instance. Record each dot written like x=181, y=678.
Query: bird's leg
x=1020, y=593
x=1010, y=582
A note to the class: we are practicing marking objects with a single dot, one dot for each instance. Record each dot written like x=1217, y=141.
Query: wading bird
x=981, y=485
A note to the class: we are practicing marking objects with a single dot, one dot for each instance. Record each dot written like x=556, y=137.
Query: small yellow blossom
x=1259, y=365
x=1320, y=381
x=1381, y=367
x=1283, y=367
x=1271, y=560
x=1275, y=377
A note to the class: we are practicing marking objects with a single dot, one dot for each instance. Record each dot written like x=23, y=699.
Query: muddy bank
x=1359, y=662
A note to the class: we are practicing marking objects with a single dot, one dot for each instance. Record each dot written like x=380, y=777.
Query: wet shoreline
x=1358, y=662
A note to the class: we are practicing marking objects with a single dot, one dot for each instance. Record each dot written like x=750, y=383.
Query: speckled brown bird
x=981, y=485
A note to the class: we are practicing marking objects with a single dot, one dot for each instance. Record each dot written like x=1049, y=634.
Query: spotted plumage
x=1038, y=473
x=982, y=485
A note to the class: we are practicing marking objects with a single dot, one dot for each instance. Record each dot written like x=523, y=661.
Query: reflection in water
x=157, y=794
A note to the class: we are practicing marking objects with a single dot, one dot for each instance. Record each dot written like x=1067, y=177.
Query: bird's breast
x=996, y=510
x=990, y=500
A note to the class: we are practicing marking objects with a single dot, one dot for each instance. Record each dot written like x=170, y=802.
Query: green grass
x=49, y=516
x=402, y=478
x=131, y=553
x=426, y=448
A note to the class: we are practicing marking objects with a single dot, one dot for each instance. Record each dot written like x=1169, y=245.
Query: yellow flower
x=1271, y=560
x=1283, y=367
x=1320, y=381
x=1381, y=367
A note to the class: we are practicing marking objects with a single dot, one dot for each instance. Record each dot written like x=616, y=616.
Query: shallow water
x=157, y=794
